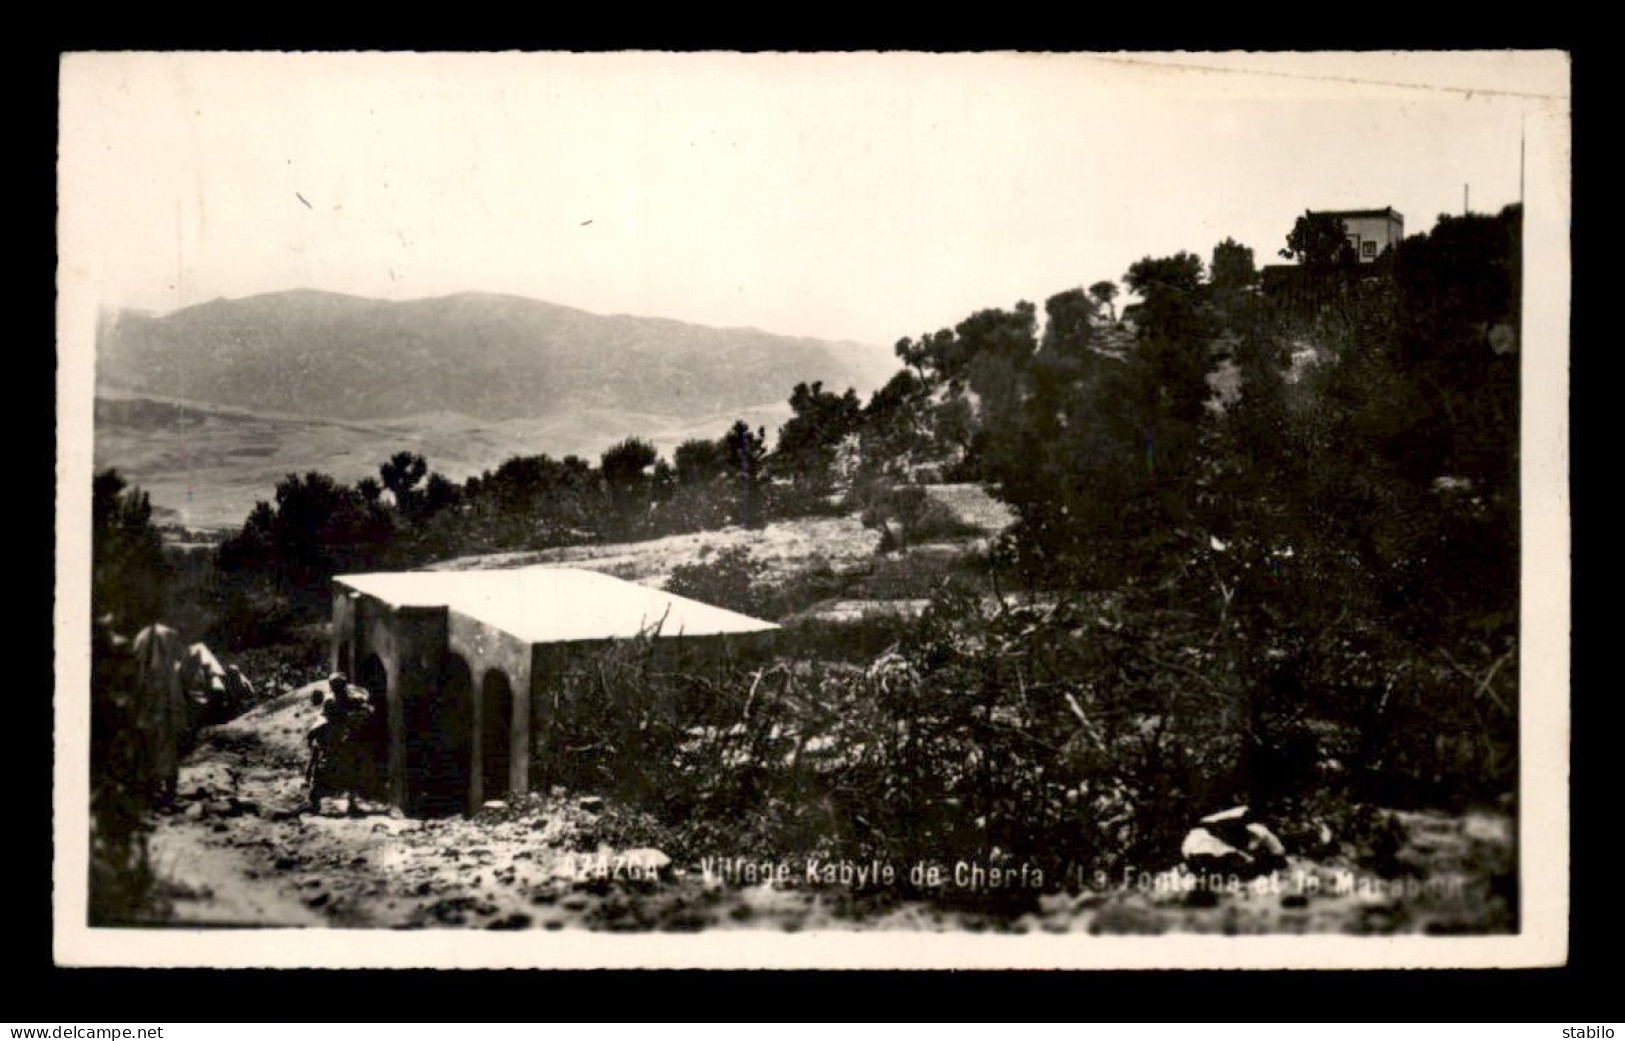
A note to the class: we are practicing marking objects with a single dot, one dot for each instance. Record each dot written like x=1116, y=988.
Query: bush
x=1055, y=737
x=907, y=514
x=728, y=581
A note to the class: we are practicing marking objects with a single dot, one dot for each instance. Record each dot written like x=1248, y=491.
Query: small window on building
x=1368, y=249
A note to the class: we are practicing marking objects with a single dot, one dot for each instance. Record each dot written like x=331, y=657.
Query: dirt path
x=241, y=851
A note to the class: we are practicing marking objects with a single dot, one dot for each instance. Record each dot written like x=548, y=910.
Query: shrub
x=1052, y=736
x=907, y=514
x=727, y=581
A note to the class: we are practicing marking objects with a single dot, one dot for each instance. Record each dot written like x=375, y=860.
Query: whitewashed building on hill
x=1370, y=232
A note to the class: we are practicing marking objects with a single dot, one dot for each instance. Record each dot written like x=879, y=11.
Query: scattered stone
x=220, y=807
x=591, y=803
x=319, y=900
x=220, y=826
x=195, y=811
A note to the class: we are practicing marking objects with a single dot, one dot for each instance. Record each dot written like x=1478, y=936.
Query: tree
x=1320, y=242
x=1071, y=316
x=128, y=570
x=896, y=426
x=625, y=467
x=935, y=357
x=744, y=455
x=1104, y=293
x=1180, y=273
x=698, y=461
x=1232, y=268
x=808, y=440
x=401, y=475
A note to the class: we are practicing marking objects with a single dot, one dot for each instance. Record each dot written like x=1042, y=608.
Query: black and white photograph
x=900, y=510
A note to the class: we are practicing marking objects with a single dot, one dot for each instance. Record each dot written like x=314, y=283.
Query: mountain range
x=479, y=354
x=206, y=407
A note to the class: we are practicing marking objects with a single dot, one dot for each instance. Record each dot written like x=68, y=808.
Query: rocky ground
x=240, y=850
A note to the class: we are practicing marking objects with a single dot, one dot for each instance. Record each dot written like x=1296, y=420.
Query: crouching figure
x=339, y=758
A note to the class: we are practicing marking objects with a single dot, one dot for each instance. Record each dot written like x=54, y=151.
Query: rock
x=592, y=803
x=195, y=811
x=1229, y=841
x=1264, y=842
x=220, y=807
x=1202, y=844
x=1255, y=851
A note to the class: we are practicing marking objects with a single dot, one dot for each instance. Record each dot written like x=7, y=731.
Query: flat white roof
x=542, y=604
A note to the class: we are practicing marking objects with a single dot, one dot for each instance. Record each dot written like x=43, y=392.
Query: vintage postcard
x=889, y=510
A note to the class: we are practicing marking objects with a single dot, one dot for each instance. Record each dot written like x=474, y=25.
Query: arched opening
x=438, y=749
x=374, y=735
x=496, y=733
x=373, y=677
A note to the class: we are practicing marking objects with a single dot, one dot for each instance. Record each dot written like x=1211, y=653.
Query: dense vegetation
x=1271, y=542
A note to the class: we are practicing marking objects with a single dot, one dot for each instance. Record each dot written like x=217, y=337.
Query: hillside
x=485, y=355
x=208, y=407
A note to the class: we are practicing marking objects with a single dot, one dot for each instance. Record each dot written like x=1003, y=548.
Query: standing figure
x=163, y=722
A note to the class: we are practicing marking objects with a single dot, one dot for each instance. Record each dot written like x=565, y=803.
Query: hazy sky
x=853, y=196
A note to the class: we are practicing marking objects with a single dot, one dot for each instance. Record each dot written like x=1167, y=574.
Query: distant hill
x=209, y=406
x=483, y=355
